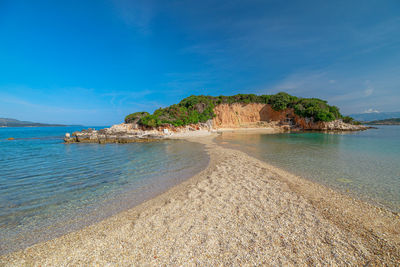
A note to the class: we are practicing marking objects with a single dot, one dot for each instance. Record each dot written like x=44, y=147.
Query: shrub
x=281, y=101
x=150, y=120
x=135, y=117
x=347, y=119
x=317, y=109
x=335, y=111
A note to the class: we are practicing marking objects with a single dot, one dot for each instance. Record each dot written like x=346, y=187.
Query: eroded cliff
x=251, y=115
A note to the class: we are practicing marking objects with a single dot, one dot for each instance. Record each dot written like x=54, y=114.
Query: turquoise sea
x=364, y=164
x=48, y=188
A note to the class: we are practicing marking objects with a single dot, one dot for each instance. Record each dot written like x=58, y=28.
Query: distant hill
x=392, y=121
x=375, y=116
x=6, y=122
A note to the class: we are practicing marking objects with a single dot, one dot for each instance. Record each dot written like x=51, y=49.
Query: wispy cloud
x=370, y=88
x=352, y=92
x=179, y=82
x=6, y=98
x=118, y=99
x=378, y=36
x=137, y=14
x=368, y=91
x=304, y=82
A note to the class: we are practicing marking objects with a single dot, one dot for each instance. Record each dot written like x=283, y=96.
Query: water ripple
x=48, y=188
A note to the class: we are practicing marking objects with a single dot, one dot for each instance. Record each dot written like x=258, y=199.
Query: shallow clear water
x=365, y=164
x=48, y=188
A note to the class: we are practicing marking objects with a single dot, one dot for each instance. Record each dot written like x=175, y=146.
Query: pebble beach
x=238, y=211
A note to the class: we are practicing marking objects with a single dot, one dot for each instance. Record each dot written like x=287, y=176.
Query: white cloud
x=370, y=110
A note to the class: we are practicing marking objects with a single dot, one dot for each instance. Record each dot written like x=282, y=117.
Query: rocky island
x=201, y=115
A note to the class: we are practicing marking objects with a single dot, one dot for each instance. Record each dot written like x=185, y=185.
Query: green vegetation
x=317, y=109
x=393, y=121
x=282, y=101
x=135, y=117
x=348, y=119
x=194, y=109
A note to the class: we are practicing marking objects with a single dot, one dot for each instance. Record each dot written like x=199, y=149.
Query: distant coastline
x=392, y=121
x=32, y=126
x=7, y=123
x=375, y=116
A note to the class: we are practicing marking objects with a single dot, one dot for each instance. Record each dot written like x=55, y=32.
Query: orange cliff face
x=239, y=115
x=246, y=115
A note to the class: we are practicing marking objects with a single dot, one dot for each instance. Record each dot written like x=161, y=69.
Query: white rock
x=67, y=135
x=166, y=131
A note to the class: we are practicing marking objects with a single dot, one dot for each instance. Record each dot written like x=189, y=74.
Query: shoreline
x=238, y=210
x=246, y=130
x=361, y=196
x=134, y=132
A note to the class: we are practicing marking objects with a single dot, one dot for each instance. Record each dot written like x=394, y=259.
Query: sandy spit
x=238, y=211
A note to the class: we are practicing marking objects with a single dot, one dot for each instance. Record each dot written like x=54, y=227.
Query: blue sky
x=93, y=62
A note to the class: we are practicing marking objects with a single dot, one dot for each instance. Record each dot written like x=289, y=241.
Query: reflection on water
x=48, y=188
x=363, y=163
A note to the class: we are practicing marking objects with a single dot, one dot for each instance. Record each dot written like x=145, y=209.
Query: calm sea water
x=48, y=188
x=365, y=164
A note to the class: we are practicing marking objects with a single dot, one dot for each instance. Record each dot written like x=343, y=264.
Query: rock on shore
x=130, y=133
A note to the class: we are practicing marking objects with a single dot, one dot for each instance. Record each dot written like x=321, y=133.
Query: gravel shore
x=238, y=211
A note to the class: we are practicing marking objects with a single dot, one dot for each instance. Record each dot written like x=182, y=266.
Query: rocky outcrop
x=131, y=133
x=336, y=125
x=247, y=115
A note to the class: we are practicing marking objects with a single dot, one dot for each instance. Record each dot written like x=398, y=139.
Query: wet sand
x=238, y=211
